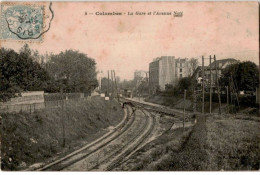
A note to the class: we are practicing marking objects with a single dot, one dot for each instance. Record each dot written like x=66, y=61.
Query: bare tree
x=192, y=65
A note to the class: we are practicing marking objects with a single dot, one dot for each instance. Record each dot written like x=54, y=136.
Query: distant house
x=221, y=65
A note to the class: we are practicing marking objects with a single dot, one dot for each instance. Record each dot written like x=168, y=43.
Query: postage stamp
x=23, y=22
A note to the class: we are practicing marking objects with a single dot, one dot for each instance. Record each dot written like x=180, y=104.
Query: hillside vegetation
x=33, y=138
x=214, y=143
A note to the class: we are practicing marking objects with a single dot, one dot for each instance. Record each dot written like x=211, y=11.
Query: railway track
x=111, y=150
x=114, y=149
x=93, y=147
x=177, y=114
x=121, y=158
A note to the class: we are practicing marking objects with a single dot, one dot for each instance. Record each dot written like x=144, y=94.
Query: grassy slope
x=29, y=138
x=163, y=100
x=178, y=103
x=233, y=144
x=219, y=143
x=155, y=155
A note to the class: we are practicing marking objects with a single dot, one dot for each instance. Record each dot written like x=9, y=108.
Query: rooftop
x=221, y=63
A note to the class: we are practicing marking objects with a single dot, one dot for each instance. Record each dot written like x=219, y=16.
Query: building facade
x=153, y=76
x=166, y=70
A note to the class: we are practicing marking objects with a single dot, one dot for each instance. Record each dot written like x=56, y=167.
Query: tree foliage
x=73, y=71
x=143, y=88
x=245, y=76
x=106, y=86
x=127, y=84
x=25, y=71
x=184, y=83
x=18, y=72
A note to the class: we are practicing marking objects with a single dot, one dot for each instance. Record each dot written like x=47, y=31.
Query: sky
x=130, y=42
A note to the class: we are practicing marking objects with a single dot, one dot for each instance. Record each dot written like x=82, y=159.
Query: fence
x=33, y=107
x=21, y=107
x=58, y=96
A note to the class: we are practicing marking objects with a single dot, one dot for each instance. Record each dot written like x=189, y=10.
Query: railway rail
x=115, y=163
x=177, y=114
x=117, y=145
x=123, y=142
x=99, y=143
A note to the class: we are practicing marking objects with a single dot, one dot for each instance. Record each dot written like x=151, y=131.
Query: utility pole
x=108, y=83
x=236, y=89
x=256, y=95
x=100, y=81
x=149, y=83
x=227, y=98
x=231, y=92
x=108, y=94
x=210, y=90
x=116, y=86
x=194, y=100
x=112, y=84
x=62, y=115
x=203, y=76
x=219, y=100
x=227, y=95
x=184, y=108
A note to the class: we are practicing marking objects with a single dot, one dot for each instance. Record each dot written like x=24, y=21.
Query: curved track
x=93, y=147
x=116, y=162
x=113, y=150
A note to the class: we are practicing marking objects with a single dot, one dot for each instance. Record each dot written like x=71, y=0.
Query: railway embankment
x=34, y=139
x=214, y=143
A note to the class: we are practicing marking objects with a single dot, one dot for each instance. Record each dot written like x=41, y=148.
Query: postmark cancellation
x=25, y=22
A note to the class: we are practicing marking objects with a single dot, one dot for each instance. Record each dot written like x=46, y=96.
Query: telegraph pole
x=236, y=89
x=100, y=81
x=62, y=115
x=108, y=83
x=227, y=98
x=112, y=84
x=203, y=76
x=219, y=100
x=231, y=92
x=149, y=83
x=210, y=90
x=184, y=108
x=116, y=86
x=227, y=95
x=108, y=94
x=256, y=95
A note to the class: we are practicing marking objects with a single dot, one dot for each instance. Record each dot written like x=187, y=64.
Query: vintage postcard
x=129, y=86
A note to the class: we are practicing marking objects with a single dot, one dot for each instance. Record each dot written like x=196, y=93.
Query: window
x=180, y=75
x=180, y=69
x=180, y=64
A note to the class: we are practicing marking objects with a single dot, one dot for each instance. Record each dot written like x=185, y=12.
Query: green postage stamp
x=23, y=22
